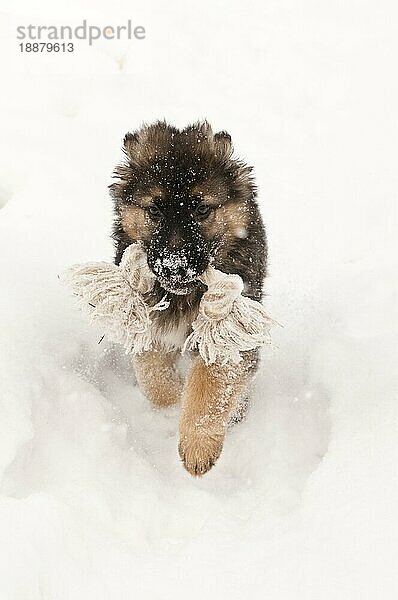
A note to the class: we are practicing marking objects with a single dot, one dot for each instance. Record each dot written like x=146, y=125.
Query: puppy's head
x=183, y=195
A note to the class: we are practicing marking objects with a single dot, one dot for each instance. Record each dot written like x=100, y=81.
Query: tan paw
x=166, y=396
x=199, y=451
x=162, y=394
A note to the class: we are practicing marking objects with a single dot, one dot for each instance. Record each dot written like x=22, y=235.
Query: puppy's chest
x=170, y=332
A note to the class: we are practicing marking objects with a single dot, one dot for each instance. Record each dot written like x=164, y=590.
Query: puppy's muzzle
x=177, y=271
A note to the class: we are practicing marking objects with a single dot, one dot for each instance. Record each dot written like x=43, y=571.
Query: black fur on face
x=191, y=203
x=177, y=252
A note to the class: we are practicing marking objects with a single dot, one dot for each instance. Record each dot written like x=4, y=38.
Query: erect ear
x=123, y=171
x=130, y=143
x=223, y=143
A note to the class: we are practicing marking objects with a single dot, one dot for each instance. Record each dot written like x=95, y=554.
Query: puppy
x=184, y=196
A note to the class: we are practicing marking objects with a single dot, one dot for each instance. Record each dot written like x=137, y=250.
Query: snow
x=302, y=503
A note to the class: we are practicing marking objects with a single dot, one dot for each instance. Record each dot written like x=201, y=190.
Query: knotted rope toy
x=113, y=296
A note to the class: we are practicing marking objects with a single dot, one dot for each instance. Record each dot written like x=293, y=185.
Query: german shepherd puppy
x=183, y=195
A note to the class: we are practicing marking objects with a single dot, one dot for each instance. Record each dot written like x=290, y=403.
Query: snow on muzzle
x=178, y=265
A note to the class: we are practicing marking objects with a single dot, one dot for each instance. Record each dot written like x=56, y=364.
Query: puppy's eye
x=202, y=211
x=154, y=212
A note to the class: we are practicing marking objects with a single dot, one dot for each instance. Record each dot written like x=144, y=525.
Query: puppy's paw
x=162, y=394
x=165, y=396
x=199, y=450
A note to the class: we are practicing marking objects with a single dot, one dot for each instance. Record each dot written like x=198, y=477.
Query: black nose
x=173, y=273
x=175, y=266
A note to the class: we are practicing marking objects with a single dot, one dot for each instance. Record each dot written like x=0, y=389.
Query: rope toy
x=113, y=297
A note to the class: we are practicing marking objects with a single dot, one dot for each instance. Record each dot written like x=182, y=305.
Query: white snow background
x=94, y=503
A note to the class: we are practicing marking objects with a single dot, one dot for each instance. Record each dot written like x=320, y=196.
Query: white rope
x=227, y=323
x=111, y=296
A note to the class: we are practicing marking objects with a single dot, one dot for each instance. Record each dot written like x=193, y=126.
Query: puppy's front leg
x=157, y=377
x=210, y=395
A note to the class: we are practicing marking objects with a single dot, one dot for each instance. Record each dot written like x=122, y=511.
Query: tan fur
x=211, y=192
x=210, y=395
x=147, y=198
x=135, y=222
x=158, y=378
x=227, y=221
x=232, y=219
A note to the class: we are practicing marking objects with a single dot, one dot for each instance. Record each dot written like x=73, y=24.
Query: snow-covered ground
x=94, y=503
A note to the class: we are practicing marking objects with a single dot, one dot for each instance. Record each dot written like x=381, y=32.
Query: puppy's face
x=184, y=197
